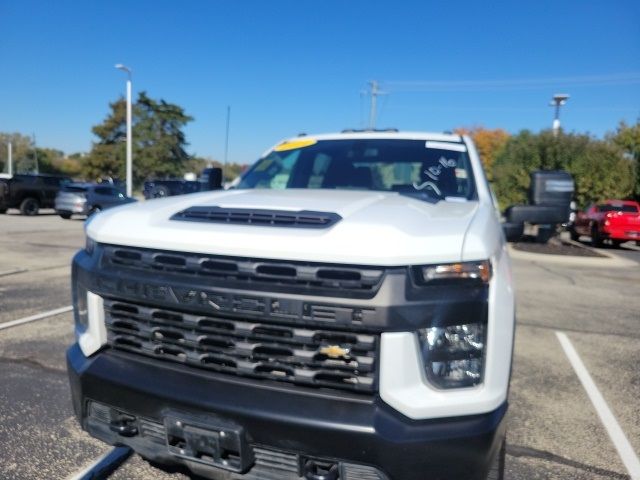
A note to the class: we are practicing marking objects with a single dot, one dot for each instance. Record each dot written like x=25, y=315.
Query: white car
x=345, y=312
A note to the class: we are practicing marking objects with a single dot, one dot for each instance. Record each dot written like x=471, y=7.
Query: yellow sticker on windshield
x=293, y=144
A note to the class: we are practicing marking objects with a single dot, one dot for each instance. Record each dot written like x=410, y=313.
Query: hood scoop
x=258, y=217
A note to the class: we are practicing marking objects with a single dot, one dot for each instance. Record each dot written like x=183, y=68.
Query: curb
x=611, y=259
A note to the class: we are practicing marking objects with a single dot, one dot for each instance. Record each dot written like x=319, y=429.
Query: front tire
x=596, y=240
x=159, y=191
x=94, y=210
x=66, y=216
x=575, y=236
x=544, y=234
x=29, y=206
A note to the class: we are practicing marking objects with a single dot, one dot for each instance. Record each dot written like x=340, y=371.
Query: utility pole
x=226, y=142
x=10, y=158
x=557, y=101
x=374, y=92
x=35, y=152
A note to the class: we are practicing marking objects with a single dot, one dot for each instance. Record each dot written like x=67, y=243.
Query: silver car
x=88, y=198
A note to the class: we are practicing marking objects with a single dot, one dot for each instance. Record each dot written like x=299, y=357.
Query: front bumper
x=622, y=234
x=291, y=422
x=71, y=207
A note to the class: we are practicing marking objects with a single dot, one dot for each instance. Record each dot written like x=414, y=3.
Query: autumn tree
x=488, y=142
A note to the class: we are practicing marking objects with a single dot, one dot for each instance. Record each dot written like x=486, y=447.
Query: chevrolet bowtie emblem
x=335, y=351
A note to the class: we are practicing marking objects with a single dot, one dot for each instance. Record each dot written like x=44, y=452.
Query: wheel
x=29, y=206
x=544, y=234
x=497, y=467
x=94, y=210
x=3, y=210
x=66, y=216
x=596, y=240
x=575, y=236
x=159, y=191
x=616, y=243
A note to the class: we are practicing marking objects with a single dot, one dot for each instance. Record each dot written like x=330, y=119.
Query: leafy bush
x=600, y=168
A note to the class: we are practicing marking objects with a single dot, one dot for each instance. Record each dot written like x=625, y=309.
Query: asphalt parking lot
x=554, y=430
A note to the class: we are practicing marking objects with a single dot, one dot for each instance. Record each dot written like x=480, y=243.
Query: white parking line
x=79, y=475
x=104, y=465
x=619, y=439
x=4, y=273
x=33, y=318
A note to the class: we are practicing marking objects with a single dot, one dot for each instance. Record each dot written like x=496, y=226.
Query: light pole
x=10, y=158
x=558, y=100
x=119, y=66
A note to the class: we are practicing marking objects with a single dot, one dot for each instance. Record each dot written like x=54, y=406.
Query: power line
x=631, y=78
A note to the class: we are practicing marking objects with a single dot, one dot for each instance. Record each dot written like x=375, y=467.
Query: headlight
x=471, y=271
x=453, y=356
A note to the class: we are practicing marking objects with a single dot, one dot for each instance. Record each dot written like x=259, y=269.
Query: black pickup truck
x=29, y=192
x=210, y=179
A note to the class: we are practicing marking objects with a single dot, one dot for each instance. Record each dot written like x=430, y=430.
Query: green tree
x=512, y=166
x=627, y=137
x=599, y=168
x=601, y=172
x=49, y=160
x=22, y=152
x=26, y=157
x=158, y=141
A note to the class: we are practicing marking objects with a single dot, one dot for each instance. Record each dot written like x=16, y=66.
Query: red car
x=615, y=220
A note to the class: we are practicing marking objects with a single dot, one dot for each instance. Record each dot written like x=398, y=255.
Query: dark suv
x=29, y=192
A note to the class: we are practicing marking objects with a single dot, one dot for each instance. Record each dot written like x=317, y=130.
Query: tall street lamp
x=558, y=100
x=119, y=66
x=10, y=158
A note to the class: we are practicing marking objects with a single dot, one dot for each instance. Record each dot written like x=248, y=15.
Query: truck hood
x=377, y=228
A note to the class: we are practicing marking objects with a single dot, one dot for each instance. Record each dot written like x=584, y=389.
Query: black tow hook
x=314, y=470
x=123, y=427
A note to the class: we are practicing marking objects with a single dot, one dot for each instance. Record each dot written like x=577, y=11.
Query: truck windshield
x=424, y=169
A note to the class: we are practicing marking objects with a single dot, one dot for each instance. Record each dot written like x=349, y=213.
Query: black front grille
x=310, y=356
x=247, y=273
x=258, y=217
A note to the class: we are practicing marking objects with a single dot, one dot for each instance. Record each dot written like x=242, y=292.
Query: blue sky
x=300, y=66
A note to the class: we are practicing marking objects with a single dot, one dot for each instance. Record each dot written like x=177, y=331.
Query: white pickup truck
x=344, y=312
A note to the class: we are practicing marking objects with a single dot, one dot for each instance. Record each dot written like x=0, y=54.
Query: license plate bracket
x=209, y=441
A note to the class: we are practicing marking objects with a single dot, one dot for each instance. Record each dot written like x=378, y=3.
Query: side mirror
x=513, y=231
x=214, y=180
